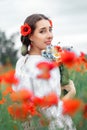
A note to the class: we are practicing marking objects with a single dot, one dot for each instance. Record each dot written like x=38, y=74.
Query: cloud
x=13, y=13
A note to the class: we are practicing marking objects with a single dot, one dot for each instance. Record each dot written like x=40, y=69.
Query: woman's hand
x=71, y=91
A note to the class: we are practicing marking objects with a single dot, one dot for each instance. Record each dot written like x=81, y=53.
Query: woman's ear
x=30, y=37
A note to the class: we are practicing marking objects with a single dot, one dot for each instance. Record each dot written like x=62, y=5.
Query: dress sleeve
x=20, y=75
x=19, y=65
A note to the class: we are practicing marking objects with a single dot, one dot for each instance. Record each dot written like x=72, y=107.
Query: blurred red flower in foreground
x=18, y=111
x=47, y=100
x=68, y=58
x=45, y=67
x=7, y=91
x=25, y=103
x=85, y=111
x=2, y=101
x=71, y=106
x=21, y=95
x=9, y=77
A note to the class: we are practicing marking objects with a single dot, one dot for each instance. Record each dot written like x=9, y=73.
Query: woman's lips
x=48, y=42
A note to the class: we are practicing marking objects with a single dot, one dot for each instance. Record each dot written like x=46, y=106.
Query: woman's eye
x=50, y=29
x=42, y=31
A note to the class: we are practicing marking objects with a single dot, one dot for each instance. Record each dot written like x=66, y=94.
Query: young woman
x=36, y=35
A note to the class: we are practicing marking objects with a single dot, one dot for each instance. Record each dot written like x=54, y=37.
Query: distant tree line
x=8, y=53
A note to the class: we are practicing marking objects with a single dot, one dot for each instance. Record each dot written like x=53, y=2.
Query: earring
x=24, y=50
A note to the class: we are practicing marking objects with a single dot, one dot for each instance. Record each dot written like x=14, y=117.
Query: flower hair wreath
x=25, y=29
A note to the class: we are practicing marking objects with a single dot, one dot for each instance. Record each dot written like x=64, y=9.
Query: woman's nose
x=50, y=34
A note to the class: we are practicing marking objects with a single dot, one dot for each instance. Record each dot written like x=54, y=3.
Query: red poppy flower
x=32, y=110
x=46, y=101
x=2, y=101
x=58, y=48
x=68, y=58
x=44, y=75
x=18, y=111
x=9, y=77
x=0, y=78
x=50, y=99
x=38, y=101
x=25, y=29
x=48, y=65
x=21, y=95
x=45, y=67
x=51, y=23
x=71, y=106
x=85, y=111
x=7, y=91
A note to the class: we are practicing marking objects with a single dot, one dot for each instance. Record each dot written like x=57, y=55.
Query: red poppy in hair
x=25, y=29
x=51, y=23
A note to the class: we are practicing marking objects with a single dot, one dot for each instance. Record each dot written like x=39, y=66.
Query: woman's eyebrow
x=44, y=27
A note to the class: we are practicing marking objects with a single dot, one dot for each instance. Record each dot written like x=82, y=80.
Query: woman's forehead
x=42, y=23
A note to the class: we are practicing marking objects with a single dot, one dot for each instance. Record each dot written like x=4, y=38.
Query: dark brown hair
x=31, y=20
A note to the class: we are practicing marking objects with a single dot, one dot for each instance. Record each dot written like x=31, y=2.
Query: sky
x=69, y=19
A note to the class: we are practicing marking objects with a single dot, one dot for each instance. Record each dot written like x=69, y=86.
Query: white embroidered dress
x=27, y=72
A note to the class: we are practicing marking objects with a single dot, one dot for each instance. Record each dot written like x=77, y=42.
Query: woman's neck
x=31, y=52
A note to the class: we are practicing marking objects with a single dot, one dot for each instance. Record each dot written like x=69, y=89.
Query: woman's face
x=42, y=35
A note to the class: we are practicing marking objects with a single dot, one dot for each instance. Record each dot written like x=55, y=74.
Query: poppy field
x=17, y=107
